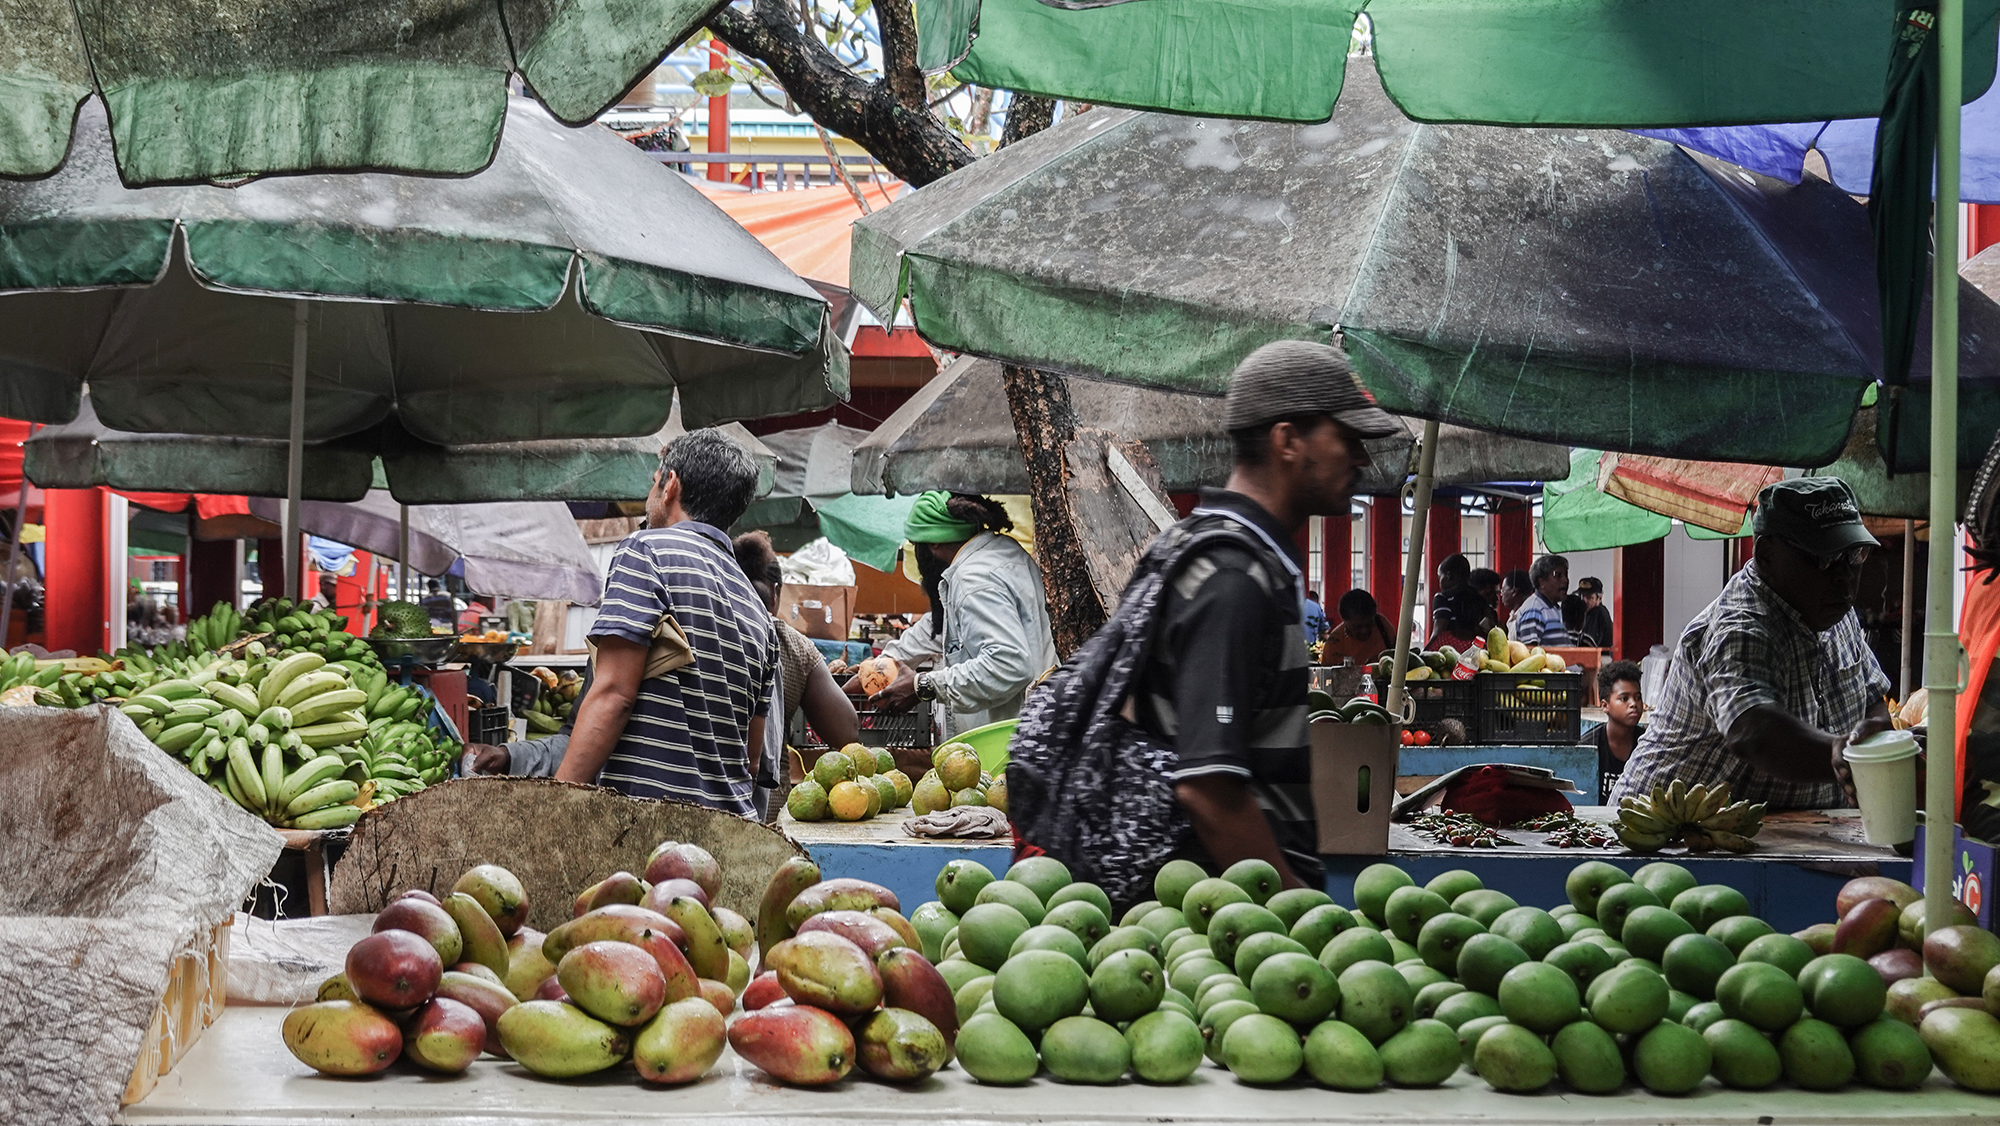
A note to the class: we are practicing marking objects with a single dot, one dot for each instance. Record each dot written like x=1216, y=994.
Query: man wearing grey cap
x=1771, y=682
x=1227, y=675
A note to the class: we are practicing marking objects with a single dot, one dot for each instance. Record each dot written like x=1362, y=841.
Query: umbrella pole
x=1941, y=648
x=1413, y=565
x=295, y=454
x=1909, y=610
x=403, y=552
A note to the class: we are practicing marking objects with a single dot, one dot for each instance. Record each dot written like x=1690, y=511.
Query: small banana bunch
x=554, y=702
x=1700, y=818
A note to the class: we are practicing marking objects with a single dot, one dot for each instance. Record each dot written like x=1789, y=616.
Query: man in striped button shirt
x=1771, y=682
x=690, y=734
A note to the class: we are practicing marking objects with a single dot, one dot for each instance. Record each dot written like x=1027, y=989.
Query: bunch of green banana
x=215, y=629
x=300, y=628
x=1700, y=818
x=401, y=758
x=554, y=702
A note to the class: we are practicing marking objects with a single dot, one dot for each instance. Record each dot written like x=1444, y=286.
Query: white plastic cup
x=1885, y=783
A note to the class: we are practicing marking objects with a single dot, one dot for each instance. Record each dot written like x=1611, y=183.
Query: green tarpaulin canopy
x=1515, y=62
x=565, y=292
x=1583, y=288
x=216, y=89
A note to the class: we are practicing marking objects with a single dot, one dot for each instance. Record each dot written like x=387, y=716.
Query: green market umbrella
x=217, y=89
x=85, y=453
x=1582, y=288
x=574, y=289
x=1516, y=62
x=565, y=292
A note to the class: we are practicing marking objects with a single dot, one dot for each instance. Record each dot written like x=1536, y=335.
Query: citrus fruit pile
x=853, y=783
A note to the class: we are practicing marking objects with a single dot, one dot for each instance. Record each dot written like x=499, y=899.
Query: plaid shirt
x=1750, y=648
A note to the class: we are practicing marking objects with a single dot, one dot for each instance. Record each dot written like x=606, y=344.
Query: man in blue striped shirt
x=690, y=735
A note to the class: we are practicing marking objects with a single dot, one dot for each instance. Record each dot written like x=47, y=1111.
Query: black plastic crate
x=1529, y=709
x=488, y=725
x=1438, y=700
x=878, y=729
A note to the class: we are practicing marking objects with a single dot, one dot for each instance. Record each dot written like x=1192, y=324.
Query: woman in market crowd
x=987, y=590
x=685, y=653
x=1515, y=587
x=1363, y=633
x=803, y=682
x=1772, y=681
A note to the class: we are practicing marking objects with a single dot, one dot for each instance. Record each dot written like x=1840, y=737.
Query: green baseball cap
x=1817, y=515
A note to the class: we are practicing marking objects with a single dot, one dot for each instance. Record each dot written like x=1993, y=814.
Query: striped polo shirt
x=688, y=735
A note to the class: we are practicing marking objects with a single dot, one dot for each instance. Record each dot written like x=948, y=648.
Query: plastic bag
x=818, y=563
x=283, y=961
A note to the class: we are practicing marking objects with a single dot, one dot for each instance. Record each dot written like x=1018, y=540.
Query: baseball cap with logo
x=1817, y=515
x=1290, y=378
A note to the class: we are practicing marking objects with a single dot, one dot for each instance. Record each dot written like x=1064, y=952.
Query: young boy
x=1618, y=685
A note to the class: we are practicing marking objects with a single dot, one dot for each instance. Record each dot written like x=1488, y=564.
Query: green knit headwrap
x=930, y=523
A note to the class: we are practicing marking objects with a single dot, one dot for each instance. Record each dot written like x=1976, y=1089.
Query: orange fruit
x=849, y=801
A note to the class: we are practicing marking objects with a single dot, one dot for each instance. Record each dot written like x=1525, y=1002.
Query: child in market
x=1624, y=706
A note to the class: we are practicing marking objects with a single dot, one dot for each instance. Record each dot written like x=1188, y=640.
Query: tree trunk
x=1045, y=422
x=898, y=21
x=913, y=143
x=1027, y=115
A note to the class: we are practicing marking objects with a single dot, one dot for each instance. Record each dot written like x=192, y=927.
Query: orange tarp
x=1707, y=494
x=808, y=228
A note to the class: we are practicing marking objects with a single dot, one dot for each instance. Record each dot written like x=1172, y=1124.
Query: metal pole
x=295, y=453
x=1909, y=609
x=1941, y=648
x=1413, y=564
x=403, y=552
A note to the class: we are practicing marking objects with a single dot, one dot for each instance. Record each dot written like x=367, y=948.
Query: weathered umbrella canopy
x=531, y=550
x=1522, y=62
x=956, y=433
x=86, y=453
x=215, y=89
x=565, y=292
x=1587, y=288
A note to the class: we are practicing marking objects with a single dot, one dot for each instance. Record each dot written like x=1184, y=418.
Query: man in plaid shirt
x=1771, y=682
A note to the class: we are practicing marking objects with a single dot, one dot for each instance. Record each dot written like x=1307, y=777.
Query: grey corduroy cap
x=1301, y=377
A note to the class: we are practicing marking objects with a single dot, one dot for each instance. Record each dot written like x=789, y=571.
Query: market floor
x=240, y=1074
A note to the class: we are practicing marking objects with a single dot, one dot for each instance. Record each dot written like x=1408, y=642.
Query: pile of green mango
x=1650, y=979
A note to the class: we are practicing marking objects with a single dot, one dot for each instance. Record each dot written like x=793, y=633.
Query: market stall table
x=1801, y=860
x=239, y=1074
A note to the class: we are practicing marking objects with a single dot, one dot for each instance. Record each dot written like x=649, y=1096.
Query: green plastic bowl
x=992, y=742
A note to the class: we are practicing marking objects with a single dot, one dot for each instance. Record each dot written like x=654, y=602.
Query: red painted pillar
x=1385, y=553
x=271, y=566
x=1984, y=230
x=718, y=114
x=1441, y=536
x=1639, y=618
x=350, y=592
x=1513, y=537
x=77, y=587
x=1336, y=559
x=212, y=574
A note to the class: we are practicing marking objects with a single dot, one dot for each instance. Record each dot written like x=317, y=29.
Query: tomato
x=1408, y=737
x=1423, y=739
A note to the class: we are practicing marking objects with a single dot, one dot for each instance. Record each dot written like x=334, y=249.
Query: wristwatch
x=926, y=690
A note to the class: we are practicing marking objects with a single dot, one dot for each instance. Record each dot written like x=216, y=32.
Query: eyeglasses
x=1849, y=560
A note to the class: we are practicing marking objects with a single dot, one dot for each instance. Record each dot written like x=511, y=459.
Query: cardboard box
x=1354, y=786
x=825, y=612
x=1972, y=874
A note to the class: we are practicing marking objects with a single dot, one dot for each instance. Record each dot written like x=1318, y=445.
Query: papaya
x=1496, y=643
